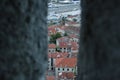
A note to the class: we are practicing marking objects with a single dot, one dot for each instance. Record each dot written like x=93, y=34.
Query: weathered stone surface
x=23, y=39
x=100, y=40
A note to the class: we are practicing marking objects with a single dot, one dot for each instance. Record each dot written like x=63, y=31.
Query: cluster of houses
x=62, y=56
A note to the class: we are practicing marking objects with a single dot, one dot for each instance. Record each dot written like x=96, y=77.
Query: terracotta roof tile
x=53, y=31
x=73, y=36
x=51, y=46
x=73, y=44
x=52, y=27
x=58, y=61
x=50, y=78
x=63, y=39
x=66, y=62
x=57, y=55
x=74, y=48
x=63, y=44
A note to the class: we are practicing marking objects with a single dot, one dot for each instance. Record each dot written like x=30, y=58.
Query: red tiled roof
x=66, y=62
x=63, y=44
x=57, y=55
x=50, y=78
x=73, y=29
x=66, y=75
x=53, y=31
x=51, y=46
x=62, y=28
x=73, y=36
x=71, y=23
x=73, y=44
x=58, y=61
x=52, y=27
x=74, y=48
x=63, y=39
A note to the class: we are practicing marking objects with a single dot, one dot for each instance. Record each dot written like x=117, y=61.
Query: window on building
x=58, y=68
x=52, y=50
x=72, y=69
x=52, y=68
x=67, y=69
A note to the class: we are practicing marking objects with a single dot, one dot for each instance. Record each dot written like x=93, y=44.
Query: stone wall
x=100, y=40
x=23, y=39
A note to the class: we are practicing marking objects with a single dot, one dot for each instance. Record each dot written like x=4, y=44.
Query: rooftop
x=63, y=44
x=51, y=46
x=50, y=78
x=66, y=62
x=58, y=55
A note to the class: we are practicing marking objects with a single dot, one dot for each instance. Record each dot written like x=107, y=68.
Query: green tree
x=57, y=49
x=75, y=20
x=65, y=34
x=58, y=35
x=63, y=20
x=54, y=37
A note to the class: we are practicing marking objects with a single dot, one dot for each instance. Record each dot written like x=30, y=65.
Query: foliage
x=54, y=37
x=65, y=34
x=69, y=15
x=63, y=20
x=74, y=70
x=57, y=49
x=75, y=20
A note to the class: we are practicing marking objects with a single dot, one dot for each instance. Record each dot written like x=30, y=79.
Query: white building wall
x=61, y=70
x=74, y=51
x=63, y=49
x=51, y=50
x=74, y=39
x=57, y=43
x=49, y=64
x=61, y=31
